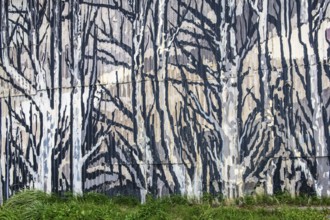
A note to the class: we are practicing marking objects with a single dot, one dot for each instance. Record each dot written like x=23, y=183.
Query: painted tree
x=82, y=63
x=309, y=25
x=29, y=37
x=36, y=40
x=276, y=112
x=220, y=79
x=133, y=14
x=162, y=34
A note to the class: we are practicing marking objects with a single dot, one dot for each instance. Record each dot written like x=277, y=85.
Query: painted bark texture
x=162, y=96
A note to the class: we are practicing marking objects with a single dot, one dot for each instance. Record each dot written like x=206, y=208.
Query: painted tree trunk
x=166, y=126
x=47, y=145
x=76, y=138
x=229, y=156
x=230, y=169
x=267, y=111
x=322, y=187
x=323, y=168
x=77, y=101
x=140, y=136
x=6, y=65
x=263, y=36
x=55, y=95
x=194, y=183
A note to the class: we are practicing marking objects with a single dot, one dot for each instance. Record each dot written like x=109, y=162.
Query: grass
x=38, y=205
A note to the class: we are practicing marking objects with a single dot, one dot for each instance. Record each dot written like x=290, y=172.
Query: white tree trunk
x=194, y=185
x=42, y=177
x=162, y=50
x=47, y=145
x=142, y=140
x=229, y=157
x=268, y=116
x=77, y=137
x=323, y=168
x=230, y=168
x=76, y=102
x=263, y=33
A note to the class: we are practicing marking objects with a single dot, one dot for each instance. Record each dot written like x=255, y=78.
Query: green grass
x=38, y=205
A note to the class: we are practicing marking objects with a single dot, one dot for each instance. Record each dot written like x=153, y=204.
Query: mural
x=165, y=97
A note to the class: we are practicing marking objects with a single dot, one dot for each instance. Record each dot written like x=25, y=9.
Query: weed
x=38, y=205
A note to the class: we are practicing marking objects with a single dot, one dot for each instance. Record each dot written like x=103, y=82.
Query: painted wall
x=165, y=96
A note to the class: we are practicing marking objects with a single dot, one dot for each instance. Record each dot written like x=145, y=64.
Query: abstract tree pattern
x=162, y=97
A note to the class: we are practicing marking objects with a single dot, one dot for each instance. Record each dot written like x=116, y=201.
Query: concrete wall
x=165, y=97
